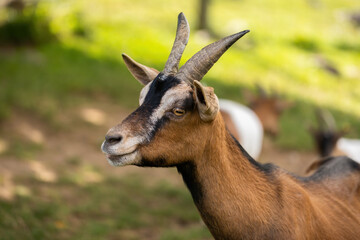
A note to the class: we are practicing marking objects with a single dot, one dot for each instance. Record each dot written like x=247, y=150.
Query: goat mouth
x=124, y=159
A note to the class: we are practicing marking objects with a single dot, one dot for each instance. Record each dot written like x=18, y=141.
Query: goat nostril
x=113, y=139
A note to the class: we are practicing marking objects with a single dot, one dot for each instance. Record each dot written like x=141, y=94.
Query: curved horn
x=181, y=39
x=326, y=118
x=261, y=91
x=199, y=64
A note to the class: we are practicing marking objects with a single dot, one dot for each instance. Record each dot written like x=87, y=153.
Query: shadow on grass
x=54, y=76
x=46, y=79
x=117, y=208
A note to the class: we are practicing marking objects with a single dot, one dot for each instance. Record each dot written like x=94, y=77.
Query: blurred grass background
x=308, y=51
x=291, y=47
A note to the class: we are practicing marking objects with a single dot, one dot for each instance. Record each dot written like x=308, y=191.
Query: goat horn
x=327, y=119
x=181, y=39
x=199, y=64
x=261, y=91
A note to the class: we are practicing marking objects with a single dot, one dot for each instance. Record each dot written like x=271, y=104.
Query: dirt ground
x=77, y=136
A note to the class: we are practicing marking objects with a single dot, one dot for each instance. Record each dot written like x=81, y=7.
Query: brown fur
x=315, y=165
x=230, y=125
x=240, y=202
x=338, y=152
x=236, y=197
x=269, y=110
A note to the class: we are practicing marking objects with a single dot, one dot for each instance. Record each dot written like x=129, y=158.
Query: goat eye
x=178, y=111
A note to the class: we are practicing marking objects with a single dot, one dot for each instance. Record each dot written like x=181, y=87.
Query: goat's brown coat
x=239, y=201
x=230, y=124
x=237, y=197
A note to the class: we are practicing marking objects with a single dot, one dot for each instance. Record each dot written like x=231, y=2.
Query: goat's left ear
x=282, y=105
x=141, y=72
x=207, y=102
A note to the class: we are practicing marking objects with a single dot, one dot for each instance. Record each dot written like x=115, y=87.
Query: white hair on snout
x=130, y=159
x=126, y=151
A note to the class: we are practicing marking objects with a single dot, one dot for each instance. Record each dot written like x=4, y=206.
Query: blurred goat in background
x=247, y=125
x=330, y=141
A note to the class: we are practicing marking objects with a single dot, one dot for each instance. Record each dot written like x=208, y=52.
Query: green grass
x=280, y=53
x=23, y=149
x=105, y=210
x=84, y=65
x=44, y=79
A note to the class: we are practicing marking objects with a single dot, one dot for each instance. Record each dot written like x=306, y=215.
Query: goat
x=330, y=141
x=248, y=125
x=244, y=125
x=178, y=125
x=268, y=107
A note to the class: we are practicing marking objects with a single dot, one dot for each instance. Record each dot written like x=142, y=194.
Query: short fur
x=237, y=197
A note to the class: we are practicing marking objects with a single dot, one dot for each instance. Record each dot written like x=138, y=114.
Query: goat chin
x=350, y=147
x=132, y=158
x=247, y=124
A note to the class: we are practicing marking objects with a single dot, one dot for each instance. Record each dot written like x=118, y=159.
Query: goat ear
x=207, y=102
x=345, y=130
x=248, y=96
x=141, y=72
x=282, y=105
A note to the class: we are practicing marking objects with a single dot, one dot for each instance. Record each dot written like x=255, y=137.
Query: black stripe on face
x=157, y=90
x=187, y=104
x=152, y=100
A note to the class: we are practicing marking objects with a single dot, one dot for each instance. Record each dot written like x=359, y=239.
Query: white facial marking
x=125, y=152
x=126, y=145
x=168, y=101
x=123, y=160
x=118, y=156
x=144, y=92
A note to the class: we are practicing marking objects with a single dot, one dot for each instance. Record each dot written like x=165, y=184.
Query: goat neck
x=223, y=174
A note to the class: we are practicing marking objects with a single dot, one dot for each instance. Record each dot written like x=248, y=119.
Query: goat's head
x=175, y=111
x=326, y=135
x=268, y=107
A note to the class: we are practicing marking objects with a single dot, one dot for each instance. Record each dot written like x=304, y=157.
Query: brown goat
x=248, y=125
x=267, y=107
x=178, y=125
x=330, y=142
